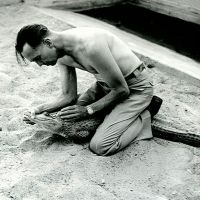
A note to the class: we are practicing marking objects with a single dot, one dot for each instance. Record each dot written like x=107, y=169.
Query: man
x=123, y=89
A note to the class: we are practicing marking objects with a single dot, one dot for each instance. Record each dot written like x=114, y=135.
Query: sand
x=146, y=170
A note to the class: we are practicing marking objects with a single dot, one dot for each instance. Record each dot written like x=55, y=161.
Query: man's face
x=44, y=54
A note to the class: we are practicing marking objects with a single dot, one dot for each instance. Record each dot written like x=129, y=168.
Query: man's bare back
x=87, y=39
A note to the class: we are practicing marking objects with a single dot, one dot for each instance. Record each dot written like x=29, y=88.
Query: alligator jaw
x=47, y=121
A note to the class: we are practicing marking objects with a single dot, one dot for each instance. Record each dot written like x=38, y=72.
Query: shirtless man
x=123, y=88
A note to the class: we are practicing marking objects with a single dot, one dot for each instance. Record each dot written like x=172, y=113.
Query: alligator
x=82, y=130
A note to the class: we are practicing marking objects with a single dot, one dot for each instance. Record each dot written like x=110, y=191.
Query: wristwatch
x=89, y=110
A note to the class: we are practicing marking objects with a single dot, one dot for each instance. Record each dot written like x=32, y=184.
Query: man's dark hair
x=32, y=35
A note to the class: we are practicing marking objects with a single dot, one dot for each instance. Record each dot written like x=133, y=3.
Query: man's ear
x=47, y=42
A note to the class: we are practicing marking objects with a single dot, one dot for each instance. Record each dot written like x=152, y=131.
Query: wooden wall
x=73, y=4
x=188, y=10
x=8, y=2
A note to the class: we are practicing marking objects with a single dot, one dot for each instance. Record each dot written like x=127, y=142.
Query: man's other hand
x=73, y=112
x=30, y=114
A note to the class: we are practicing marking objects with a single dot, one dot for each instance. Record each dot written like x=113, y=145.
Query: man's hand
x=73, y=112
x=30, y=113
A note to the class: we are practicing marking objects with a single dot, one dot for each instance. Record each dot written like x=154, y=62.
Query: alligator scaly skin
x=83, y=130
x=166, y=132
x=77, y=130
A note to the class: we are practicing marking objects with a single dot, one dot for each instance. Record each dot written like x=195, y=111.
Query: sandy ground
x=146, y=170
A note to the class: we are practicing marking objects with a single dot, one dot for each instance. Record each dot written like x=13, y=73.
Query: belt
x=136, y=72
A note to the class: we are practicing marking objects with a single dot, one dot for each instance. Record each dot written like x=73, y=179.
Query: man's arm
x=102, y=60
x=104, y=63
x=89, y=96
x=68, y=93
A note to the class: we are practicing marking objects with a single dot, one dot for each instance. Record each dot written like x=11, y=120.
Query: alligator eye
x=46, y=114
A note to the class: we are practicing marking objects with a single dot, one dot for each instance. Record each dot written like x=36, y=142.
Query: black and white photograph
x=100, y=99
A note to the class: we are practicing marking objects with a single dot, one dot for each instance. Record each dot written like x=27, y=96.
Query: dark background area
x=178, y=35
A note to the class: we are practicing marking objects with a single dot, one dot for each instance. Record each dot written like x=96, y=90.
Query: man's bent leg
x=138, y=130
x=126, y=122
x=94, y=93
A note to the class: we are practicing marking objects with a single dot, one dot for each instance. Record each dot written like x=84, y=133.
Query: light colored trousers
x=128, y=121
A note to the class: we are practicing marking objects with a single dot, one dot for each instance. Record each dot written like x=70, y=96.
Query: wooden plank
x=164, y=58
x=73, y=5
x=9, y=2
x=188, y=10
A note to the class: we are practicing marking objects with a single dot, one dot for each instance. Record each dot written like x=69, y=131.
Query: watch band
x=89, y=110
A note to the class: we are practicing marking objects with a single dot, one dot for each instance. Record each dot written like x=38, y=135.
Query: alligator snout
x=46, y=120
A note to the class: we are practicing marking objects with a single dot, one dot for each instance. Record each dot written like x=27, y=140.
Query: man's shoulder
x=96, y=46
x=65, y=60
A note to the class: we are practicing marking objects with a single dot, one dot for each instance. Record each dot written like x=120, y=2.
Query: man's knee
x=98, y=147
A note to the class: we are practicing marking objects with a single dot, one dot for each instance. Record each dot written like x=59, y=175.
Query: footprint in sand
x=13, y=101
x=5, y=82
x=41, y=140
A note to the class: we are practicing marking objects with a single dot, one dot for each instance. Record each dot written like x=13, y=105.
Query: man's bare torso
x=87, y=38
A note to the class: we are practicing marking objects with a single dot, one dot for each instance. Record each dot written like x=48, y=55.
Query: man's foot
x=154, y=106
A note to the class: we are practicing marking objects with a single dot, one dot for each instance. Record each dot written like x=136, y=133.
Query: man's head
x=33, y=44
